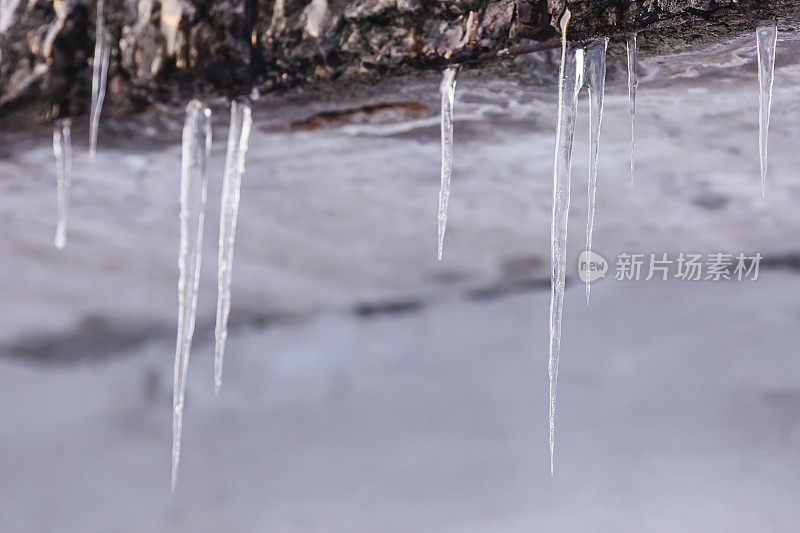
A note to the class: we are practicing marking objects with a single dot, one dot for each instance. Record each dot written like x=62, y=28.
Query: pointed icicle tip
x=633, y=86
x=595, y=79
x=570, y=81
x=766, y=43
x=62, y=152
x=238, y=139
x=447, y=90
x=195, y=148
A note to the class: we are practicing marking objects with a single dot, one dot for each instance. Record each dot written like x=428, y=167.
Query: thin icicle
x=447, y=89
x=633, y=85
x=570, y=82
x=99, y=76
x=238, y=136
x=195, y=148
x=7, y=13
x=62, y=151
x=766, y=41
x=596, y=81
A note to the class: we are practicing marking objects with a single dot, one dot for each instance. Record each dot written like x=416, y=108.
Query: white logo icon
x=591, y=266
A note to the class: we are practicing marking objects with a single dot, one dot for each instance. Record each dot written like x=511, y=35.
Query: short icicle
x=633, y=86
x=99, y=76
x=596, y=81
x=766, y=41
x=62, y=151
x=447, y=89
x=7, y=10
x=569, y=84
x=238, y=137
x=195, y=149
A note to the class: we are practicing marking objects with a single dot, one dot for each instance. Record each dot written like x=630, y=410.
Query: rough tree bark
x=230, y=47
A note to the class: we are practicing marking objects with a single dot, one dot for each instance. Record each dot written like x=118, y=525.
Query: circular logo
x=591, y=266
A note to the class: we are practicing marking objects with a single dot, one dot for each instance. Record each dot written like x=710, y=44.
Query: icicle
x=238, y=136
x=99, y=75
x=62, y=151
x=766, y=40
x=447, y=89
x=596, y=81
x=196, y=145
x=171, y=14
x=633, y=85
x=569, y=83
x=7, y=10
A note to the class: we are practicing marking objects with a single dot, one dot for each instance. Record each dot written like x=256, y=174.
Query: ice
x=62, y=151
x=447, y=89
x=238, y=136
x=195, y=149
x=61, y=10
x=569, y=84
x=99, y=75
x=633, y=85
x=596, y=81
x=171, y=14
x=7, y=10
x=766, y=40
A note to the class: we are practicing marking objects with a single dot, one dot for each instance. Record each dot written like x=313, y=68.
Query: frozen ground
x=425, y=409
x=680, y=411
x=347, y=213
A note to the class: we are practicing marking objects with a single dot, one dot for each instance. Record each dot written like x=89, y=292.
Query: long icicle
x=62, y=151
x=238, y=137
x=447, y=89
x=569, y=83
x=195, y=149
x=99, y=76
x=633, y=86
x=596, y=81
x=766, y=42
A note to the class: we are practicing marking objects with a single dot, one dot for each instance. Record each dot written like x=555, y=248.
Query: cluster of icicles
x=579, y=67
x=586, y=67
x=195, y=148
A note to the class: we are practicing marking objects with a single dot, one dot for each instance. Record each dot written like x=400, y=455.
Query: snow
x=337, y=217
x=678, y=401
x=338, y=423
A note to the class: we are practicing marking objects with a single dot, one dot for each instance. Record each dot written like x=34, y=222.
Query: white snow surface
x=679, y=411
x=679, y=403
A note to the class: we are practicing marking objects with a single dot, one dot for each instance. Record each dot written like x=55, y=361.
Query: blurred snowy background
x=369, y=387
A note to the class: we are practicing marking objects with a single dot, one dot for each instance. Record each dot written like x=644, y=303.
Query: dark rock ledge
x=230, y=47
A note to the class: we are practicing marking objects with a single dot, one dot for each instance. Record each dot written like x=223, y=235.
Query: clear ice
x=7, y=10
x=447, y=89
x=766, y=41
x=633, y=85
x=238, y=137
x=171, y=14
x=596, y=81
x=195, y=149
x=570, y=81
x=62, y=151
x=99, y=76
